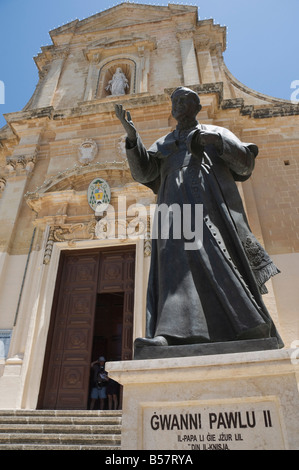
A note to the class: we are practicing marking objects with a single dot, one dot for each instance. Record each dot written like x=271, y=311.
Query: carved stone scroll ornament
x=67, y=233
x=104, y=229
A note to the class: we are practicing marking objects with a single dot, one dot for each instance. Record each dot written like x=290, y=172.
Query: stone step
x=11, y=447
x=67, y=421
x=60, y=430
x=64, y=438
x=60, y=413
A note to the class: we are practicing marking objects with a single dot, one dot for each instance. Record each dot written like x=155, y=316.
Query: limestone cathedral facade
x=69, y=290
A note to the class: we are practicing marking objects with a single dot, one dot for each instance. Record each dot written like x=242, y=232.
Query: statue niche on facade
x=213, y=293
x=118, y=84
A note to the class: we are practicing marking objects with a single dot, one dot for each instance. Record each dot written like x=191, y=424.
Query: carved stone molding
x=70, y=233
x=49, y=247
x=87, y=151
x=188, y=34
x=2, y=184
x=60, y=53
x=103, y=229
x=75, y=232
x=49, y=53
x=10, y=166
x=20, y=164
x=202, y=42
x=43, y=72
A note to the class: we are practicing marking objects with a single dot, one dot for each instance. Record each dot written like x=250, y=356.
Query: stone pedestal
x=233, y=401
x=204, y=349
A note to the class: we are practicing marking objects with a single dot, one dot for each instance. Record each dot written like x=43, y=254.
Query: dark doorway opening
x=107, y=343
x=108, y=327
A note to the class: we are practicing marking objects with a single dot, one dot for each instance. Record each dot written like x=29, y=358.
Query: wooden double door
x=92, y=315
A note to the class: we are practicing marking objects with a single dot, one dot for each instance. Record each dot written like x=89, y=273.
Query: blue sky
x=262, y=49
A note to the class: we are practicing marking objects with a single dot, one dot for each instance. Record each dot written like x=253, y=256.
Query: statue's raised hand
x=125, y=118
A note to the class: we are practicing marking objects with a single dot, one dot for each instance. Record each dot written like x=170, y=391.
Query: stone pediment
x=130, y=14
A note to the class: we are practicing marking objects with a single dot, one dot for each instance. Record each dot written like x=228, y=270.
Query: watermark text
x=2, y=92
x=295, y=94
x=163, y=222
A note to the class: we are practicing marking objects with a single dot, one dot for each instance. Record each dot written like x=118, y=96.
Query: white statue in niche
x=118, y=84
x=87, y=151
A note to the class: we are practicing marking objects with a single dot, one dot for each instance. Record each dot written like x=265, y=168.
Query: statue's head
x=185, y=104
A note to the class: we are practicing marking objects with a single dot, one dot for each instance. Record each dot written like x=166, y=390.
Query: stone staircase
x=60, y=430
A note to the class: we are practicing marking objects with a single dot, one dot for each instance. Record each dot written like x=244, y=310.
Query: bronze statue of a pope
x=212, y=293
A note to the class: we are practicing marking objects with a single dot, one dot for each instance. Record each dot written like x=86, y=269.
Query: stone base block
x=240, y=401
x=204, y=349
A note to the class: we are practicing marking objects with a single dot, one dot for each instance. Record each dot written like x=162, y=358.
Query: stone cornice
x=48, y=54
x=261, y=112
x=185, y=34
x=277, y=107
x=210, y=36
x=205, y=89
x=22, y=116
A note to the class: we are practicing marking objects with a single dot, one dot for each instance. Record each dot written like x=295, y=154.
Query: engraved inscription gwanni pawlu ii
x=214, y=426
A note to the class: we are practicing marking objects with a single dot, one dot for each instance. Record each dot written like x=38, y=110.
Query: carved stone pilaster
x=49, y=247
x=147, y=250
x=189, y=63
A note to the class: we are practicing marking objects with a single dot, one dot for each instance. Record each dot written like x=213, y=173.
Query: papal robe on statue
x=213, y=293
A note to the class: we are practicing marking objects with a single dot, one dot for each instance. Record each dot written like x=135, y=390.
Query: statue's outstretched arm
x=143, y=164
